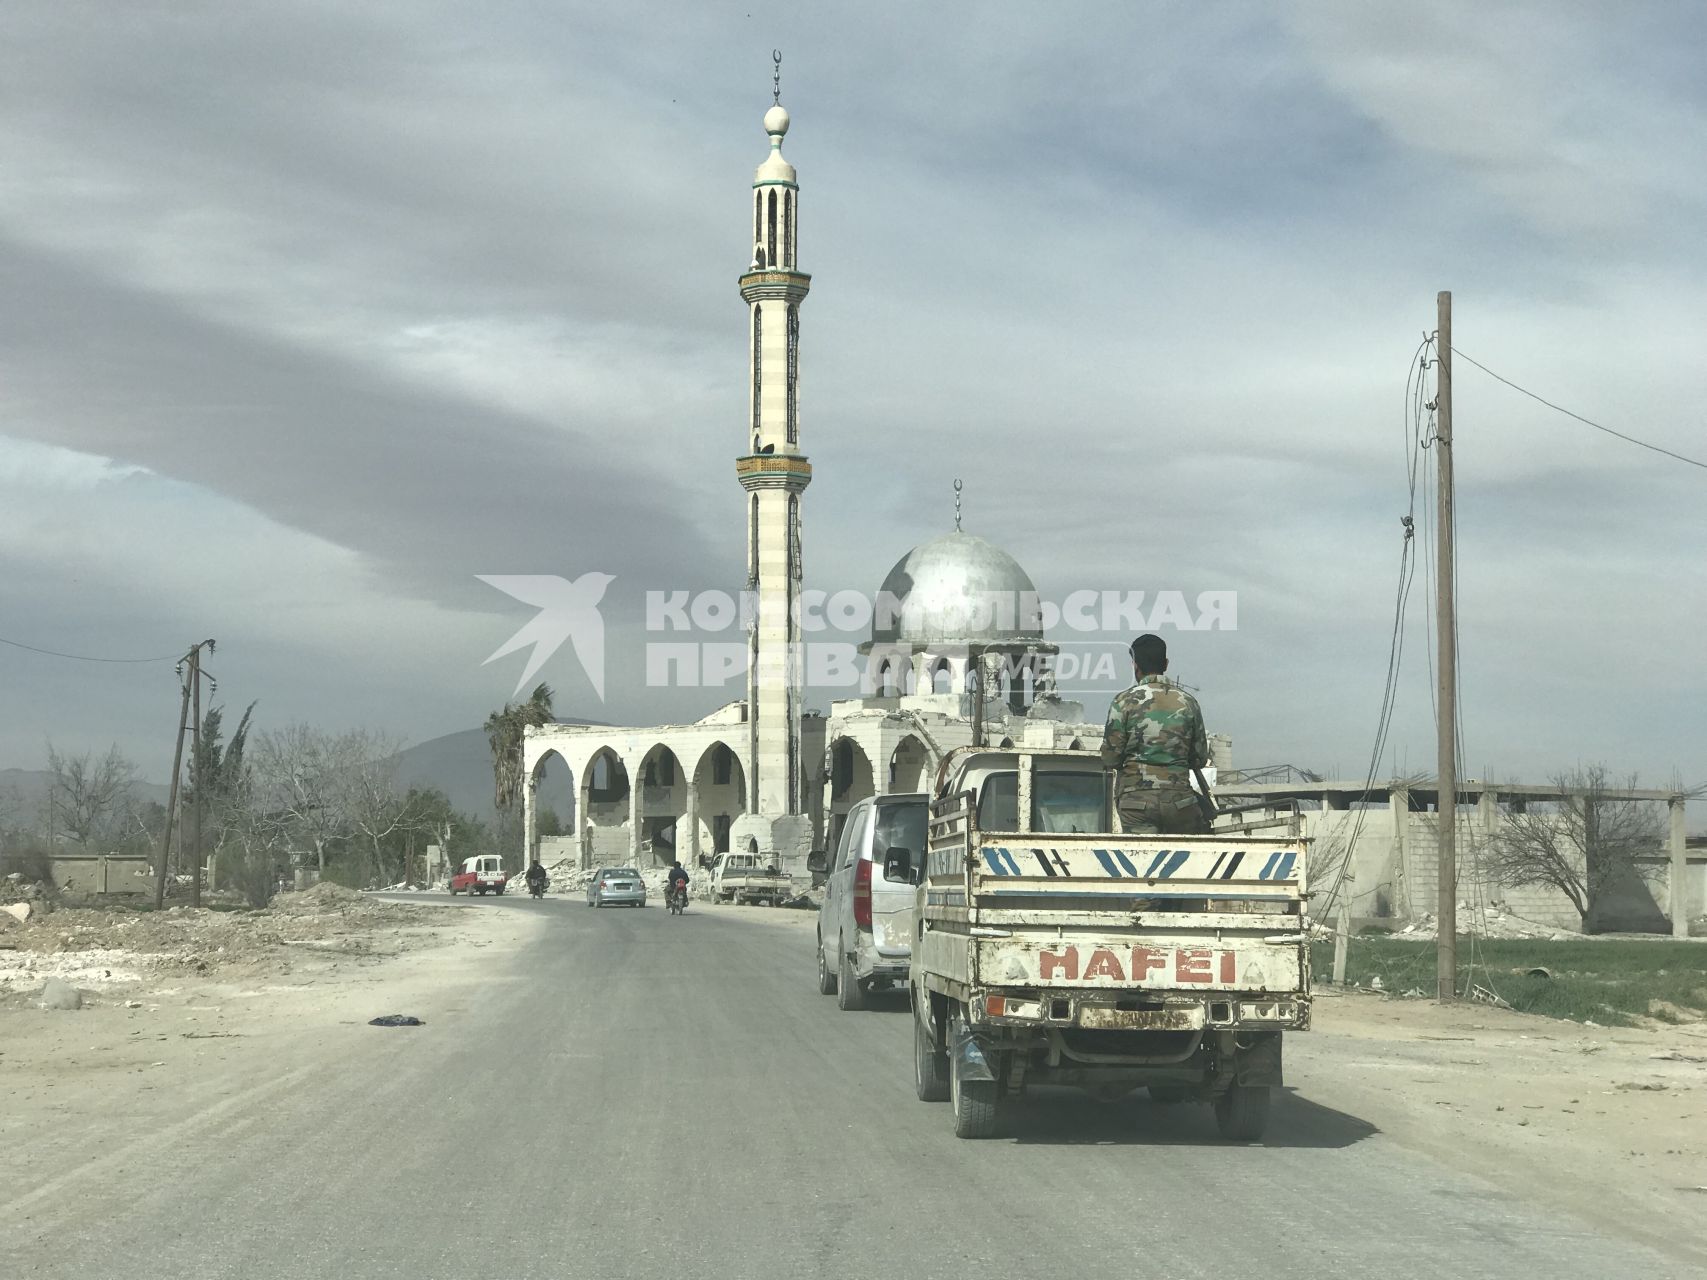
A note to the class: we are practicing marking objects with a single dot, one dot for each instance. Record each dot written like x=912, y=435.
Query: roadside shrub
x=253, y=870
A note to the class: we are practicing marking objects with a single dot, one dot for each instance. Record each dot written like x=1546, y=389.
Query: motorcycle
x=676, y=898
x=537, y=888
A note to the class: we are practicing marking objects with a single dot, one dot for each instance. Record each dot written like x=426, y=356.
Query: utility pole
x=172, y=797
x=200, y=770
x=1446, y=798
x=190, y=672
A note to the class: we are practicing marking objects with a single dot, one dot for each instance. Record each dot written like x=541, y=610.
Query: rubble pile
x=1490, y=921
x=39, y=895
x=99, y=947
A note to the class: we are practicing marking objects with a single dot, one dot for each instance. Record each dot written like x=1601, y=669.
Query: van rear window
x=900, y=826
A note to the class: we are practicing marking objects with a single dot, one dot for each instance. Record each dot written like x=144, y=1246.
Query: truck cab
x=481, y=874
x=1052, y=948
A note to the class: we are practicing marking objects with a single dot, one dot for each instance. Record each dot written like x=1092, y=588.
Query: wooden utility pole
x=200, y=771
x=172, y=798
x=1446, y=798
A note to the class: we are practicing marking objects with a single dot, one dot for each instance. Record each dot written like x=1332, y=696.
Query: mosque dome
x=957, y=590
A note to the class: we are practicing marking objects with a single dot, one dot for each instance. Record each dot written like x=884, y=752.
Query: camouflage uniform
x=1153, y=740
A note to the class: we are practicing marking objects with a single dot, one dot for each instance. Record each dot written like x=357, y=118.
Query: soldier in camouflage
x=1153, y=742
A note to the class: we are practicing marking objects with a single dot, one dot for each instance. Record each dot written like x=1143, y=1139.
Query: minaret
x=774, y=472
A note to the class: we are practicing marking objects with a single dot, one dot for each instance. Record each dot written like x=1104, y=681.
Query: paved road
x=700, y=1111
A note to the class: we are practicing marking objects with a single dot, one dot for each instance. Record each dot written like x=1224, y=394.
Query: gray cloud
x=384, y=297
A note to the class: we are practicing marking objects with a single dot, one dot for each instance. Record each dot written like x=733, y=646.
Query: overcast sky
x=310, y=313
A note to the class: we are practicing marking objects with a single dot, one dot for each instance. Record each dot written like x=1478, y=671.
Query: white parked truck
x=1051, y=949
x=748, y=877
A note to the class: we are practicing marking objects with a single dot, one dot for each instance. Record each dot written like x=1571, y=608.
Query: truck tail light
x=862, y=893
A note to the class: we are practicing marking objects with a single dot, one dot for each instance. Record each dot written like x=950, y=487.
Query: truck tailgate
x=1071, y=958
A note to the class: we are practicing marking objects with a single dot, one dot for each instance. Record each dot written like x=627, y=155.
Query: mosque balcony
x=765, y=283
x=773, y=471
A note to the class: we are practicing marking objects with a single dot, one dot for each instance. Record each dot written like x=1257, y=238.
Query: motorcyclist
x=536, y=877
x=678, y=877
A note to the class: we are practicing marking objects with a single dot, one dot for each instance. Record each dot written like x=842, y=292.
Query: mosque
x=956, y=652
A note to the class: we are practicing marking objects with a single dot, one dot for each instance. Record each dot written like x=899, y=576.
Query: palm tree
x=504, y=731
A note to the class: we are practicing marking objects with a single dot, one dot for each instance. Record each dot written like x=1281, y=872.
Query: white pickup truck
x=748, y=877
x=1051, y=949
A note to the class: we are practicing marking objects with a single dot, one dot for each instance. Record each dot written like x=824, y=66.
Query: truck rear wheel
x=974, y=1103
x=930, y=1065
x=1241, y=1114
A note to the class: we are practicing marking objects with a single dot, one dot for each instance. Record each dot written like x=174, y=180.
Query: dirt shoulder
x=1607, y=1123
x=208, y=1018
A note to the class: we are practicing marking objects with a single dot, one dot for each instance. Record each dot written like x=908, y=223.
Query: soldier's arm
x=1114, y=737
x=1199, y=738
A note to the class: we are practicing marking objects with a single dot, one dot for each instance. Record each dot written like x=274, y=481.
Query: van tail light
x=862, y=893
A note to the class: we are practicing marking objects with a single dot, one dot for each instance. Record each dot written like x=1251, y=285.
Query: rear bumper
x=624, y=899
x=1103, y=1010
x=889, y=964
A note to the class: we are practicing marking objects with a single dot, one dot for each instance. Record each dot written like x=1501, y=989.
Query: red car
x=482, y=874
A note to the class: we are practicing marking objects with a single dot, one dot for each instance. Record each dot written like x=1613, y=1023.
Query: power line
x=1417, y=439
x=1589, y=422
x=83, y=657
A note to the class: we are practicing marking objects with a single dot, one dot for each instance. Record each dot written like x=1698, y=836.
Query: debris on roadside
x=396, y=1020
x=111, y=946
x=55, y=994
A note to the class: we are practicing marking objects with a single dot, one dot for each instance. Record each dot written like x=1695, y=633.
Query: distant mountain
x=30, y=787
x=460, y=765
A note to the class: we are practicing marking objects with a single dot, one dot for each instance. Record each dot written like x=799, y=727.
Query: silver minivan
x=865, y=927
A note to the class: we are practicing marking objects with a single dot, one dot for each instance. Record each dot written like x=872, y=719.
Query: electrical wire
x=82, y=657
x=1415, y=442
x=1587, y=422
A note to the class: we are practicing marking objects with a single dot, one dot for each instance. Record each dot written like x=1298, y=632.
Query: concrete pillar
x=1399, y=807
x=530, y=815
x=1488, y=812
x=688, y=851
x=1680, y=903
x=634, y=824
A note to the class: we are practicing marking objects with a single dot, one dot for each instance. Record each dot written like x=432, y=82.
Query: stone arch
x=941, y=675
x=909, y=765
x=1006, y=744
x=888, y=684
x=1077, y=744
x=551, y=786
x=661, y=802
x=603, y=815
x=852, y=779
x=719, y=796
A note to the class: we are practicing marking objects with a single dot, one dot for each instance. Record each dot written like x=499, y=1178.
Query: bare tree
x=90, y=797
x=375, y=801
x=1582, y=845
x=254, y=842
x=304, y=774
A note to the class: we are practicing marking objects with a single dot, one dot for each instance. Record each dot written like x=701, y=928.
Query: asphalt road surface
x=639, y=1095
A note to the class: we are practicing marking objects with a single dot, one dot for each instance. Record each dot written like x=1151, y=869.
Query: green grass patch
x=1612, y=983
